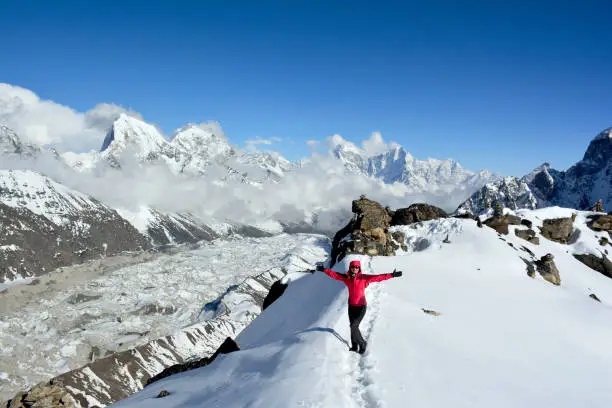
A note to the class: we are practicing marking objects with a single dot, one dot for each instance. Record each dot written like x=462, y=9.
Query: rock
x=602, y=265
x=276, y=291
x=600, y=222
x=528, y=235
x=557, y=229
x=500, y=224
x=431, y=312
x=548, y=270
x=598, y=207
x=594, y=296
x=526, y=223
x=417, y=212
x=228, y=346
x=603, y=241
x=43, y=395
x=163, y=393
x=478, y=222
x=367, y=233
x=498, y=209
x=369, y=215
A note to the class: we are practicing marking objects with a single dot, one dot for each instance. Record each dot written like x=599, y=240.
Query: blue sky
x=496, y=85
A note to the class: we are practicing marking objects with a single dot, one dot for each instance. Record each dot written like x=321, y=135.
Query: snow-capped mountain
x=12, y=146
x=580, y=186
x=476, y=334
x=396, y=165
x=59, y=225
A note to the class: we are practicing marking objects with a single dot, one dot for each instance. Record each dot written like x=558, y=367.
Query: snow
x=502, y=338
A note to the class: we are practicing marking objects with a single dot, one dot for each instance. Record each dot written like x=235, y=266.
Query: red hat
x=355, y=263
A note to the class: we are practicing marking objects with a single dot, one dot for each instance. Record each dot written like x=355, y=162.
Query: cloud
x=44, y=122
x=370, y=147
x=251, y=144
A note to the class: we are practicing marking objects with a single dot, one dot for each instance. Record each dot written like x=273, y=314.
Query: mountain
x=396, y=165
x=11, y=146
x=46, y=225
x=580, y=186
x=466, y=326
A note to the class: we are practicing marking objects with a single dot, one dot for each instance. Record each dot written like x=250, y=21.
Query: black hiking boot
x=362, y=347
x=354, y=348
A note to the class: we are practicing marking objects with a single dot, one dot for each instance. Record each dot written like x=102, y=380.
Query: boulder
x=548, y=270
x=602, y=265
x=600, y=222
x=526, y=223
x=528, y=235
x=43, y=395
x=557, y=229
x=366, y=233
x=369, y=214
x=417, y=212
x=500, y=224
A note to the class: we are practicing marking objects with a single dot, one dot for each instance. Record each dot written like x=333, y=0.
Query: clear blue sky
x=502, y=85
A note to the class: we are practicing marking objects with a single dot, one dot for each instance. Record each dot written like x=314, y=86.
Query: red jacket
x=356, y=285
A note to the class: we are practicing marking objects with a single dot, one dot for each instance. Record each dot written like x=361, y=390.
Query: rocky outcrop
x=228, y=346
x=600, y=222
x=548, y=270
x=415, y=213
x=510, y=192
x=366, y=233
x=598, y=207
x=528, y=235
x=46, y=395
x=557, y=229
x=602, y=265
x=500, y=224
x=276, y=291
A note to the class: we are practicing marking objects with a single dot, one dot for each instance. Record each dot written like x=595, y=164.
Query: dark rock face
x=228, y=346
x=183, y=228
x=602, y=265
x=557, y=229
x=526, y=223
x=416, y=213
x=33, y=245
x=548, y=270
x=276, y=291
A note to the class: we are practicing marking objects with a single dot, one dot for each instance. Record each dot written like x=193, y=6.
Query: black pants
x=356, y=313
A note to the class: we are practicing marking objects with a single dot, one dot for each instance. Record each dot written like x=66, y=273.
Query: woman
x=356, y=282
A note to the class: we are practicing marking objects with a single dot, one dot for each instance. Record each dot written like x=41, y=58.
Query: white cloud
x=251, y=144
x=44, y=122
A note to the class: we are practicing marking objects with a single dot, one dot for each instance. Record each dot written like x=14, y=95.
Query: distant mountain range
x=580, y=186
x=31, y=201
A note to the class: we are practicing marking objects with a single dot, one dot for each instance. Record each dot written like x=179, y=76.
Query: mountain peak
x=128, y=131
x=206, y=138
x=12, y=145
x=606, y=134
